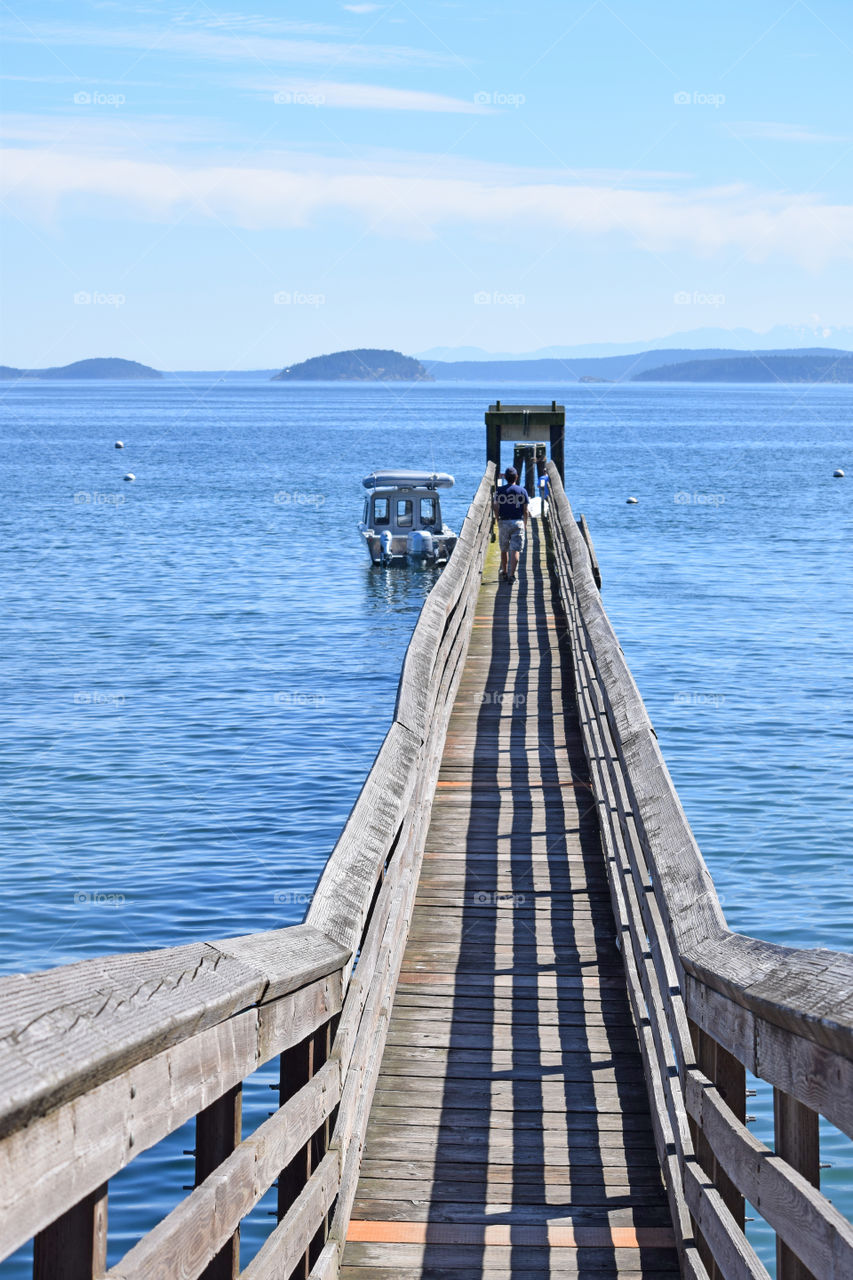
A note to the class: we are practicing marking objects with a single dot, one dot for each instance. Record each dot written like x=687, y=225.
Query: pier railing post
x=798, y=1143
x=299, y=1065
x=703, y=1047
x=74, y=1247
x=218, y=1131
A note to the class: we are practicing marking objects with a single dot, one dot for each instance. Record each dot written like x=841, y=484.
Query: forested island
x=105, y=367
x=366, y=364
x=756, y=368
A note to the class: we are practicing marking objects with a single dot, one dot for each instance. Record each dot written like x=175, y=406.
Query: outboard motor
x=385, y=541
x=419, y=543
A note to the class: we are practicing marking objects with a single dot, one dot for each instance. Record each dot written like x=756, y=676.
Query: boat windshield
x=380, y=511
x=428, y=513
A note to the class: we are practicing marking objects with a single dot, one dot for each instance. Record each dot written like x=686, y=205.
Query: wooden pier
x=511, y=1122
x=512, y=1033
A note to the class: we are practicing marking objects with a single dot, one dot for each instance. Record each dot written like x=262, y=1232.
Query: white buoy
x=130, y=476
x=631, y=501
x=838, y=474
x=119, y=444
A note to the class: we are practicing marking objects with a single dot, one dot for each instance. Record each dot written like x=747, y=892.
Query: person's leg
x=516, y=542
x=503, y=542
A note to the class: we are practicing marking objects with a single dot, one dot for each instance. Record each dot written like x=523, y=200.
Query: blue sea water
x=200, y=665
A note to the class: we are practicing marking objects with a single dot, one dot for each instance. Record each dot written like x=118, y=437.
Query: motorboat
x=402, y=517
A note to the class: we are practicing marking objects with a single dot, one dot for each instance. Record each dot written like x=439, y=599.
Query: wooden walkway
x=510, y=1133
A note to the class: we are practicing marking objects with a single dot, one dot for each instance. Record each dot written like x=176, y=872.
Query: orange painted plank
x=519, y=786
x=505, y=1233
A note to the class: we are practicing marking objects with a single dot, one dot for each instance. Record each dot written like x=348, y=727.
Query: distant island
x=106, y=367
x=621, y=368
x=756, y=368
x=367, y=364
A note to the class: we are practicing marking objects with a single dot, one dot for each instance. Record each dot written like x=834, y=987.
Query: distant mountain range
x=766, y=367
x=104, y=367
x=779, y=338
x=365, y=364
x=573, y=369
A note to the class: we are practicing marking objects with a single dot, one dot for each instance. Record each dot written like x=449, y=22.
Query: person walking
x=510, y=507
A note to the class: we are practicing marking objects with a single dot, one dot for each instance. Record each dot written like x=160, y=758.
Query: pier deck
x=510, y=1133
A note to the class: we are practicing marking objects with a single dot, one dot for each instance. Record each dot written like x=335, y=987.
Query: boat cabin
x=402, y=516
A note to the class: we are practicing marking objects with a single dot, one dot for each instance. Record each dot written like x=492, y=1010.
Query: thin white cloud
x=209, y=46
x=362, y=8
x=370, y=97
x=757, y=224
x=87, y=130
x=111, y=129
x=776, y=131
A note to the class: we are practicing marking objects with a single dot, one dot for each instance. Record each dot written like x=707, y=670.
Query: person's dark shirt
x=511, y=502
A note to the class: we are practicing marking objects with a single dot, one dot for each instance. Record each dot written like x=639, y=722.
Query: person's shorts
x=511, y=535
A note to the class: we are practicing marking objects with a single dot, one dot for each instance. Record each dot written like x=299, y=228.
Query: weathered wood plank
x=65, y=1031
x=786, y=1199
x=218, y=1131
x=289, y=1242
x=186, y=1241
x=56, y=1160
x=798, y=1144
x=74, y=1247
x=813, y=1074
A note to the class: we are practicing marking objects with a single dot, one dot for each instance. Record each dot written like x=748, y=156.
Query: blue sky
x=195, y=186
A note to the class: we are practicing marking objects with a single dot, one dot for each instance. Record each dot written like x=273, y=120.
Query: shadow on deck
x=510, y=1132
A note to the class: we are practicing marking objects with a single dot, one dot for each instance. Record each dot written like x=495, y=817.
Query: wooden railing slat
x=187, y=1239
x=735, y=1257
x=67, y=1030
x=51, y=1164
x=789, y=1202
x=218, y=1130
x=797, y=1138
x=288, y=1243
x=814, y=1075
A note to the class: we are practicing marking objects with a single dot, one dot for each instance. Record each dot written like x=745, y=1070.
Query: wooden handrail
x=708, y=1003
x=66, y=1030
x=102, y=1059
